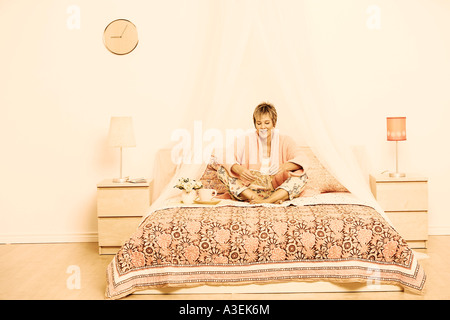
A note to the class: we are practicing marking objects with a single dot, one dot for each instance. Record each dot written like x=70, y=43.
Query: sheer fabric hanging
x=232, y=26
x=284, y=32
x=282, y=28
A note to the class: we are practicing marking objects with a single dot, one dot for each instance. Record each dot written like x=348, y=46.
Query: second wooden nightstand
x=405, y=201
x=120, y=208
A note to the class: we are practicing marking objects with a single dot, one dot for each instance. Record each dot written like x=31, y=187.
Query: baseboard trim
x=49, y=238
x=438, y=231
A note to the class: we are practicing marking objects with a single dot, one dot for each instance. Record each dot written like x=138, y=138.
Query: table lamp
x=396, y=131
x=121, y=136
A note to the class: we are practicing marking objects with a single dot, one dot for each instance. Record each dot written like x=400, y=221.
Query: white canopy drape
x=281, y=28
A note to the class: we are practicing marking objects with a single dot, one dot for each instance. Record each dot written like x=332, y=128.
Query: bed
x=327, y=238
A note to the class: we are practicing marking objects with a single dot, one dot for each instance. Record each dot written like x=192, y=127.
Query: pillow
x=209, y=178
x=320, y=180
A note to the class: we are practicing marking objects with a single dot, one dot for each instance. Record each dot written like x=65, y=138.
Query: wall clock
x=120, y=36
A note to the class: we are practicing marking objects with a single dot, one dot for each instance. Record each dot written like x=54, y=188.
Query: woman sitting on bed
x=266, y=167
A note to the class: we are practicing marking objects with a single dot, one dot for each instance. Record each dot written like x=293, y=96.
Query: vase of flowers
x=189, y=187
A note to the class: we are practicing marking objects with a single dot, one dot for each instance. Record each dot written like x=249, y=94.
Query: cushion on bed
x=209, y=178
x=320, y=180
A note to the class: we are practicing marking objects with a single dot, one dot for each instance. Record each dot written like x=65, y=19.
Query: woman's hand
x=243, y=173
x=285, y=167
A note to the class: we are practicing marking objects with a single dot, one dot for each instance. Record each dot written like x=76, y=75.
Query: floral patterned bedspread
x=181, y=246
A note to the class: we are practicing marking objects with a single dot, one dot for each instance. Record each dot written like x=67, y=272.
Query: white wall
x=59, y=88
x=401, y=69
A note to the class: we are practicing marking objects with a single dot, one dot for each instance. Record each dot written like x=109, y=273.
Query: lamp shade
x=396, y=128
x=121, y=132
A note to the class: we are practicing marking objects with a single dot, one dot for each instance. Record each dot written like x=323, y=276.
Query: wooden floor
x=51, y=271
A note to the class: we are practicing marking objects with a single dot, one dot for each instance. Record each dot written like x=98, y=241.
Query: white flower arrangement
x=188, y=184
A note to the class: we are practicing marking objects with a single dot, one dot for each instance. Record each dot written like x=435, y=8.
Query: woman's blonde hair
x=265, y=108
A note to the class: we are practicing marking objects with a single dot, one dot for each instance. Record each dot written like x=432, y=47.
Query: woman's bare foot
x=256, y=201
x=277, y=197
x=250, y=195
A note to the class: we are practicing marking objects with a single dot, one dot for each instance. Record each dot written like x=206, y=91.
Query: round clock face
x=120, y=36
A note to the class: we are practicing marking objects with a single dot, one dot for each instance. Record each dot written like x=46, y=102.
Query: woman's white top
x=265, y=166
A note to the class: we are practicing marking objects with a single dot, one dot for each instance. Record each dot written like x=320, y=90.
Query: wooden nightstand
x=405, y=201
x=120, y=208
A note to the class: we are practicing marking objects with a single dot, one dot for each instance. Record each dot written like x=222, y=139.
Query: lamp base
x=396, y=175
x=120, y=180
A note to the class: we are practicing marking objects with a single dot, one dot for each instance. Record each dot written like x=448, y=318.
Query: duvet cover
x=329, y=237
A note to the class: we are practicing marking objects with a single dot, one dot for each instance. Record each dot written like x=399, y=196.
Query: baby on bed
x=265, y=167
